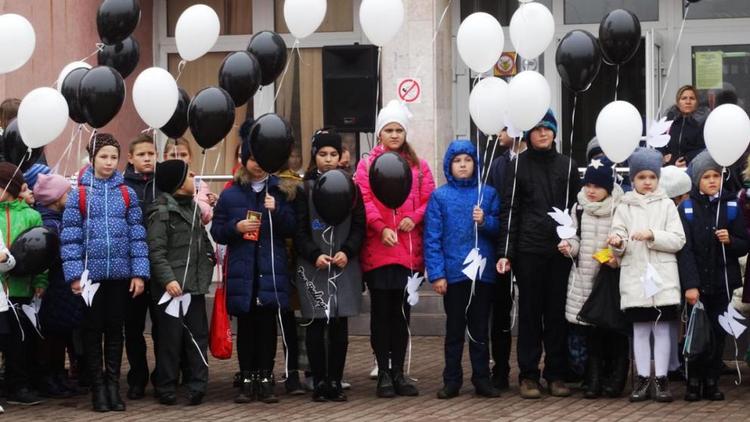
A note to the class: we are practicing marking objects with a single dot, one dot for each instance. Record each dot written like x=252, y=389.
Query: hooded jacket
x=408, y=251
x=143, y=186
x=113, y=235
x=657, y=213
x=542, y=181
x=449, y=226
x=16, y=217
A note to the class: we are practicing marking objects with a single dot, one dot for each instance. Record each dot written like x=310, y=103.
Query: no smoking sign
x=410, y=90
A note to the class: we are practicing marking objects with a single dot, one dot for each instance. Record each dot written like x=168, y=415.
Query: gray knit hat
x=645, y=159
x=701, y=164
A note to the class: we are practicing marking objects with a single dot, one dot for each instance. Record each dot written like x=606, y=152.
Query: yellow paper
x=709, y=69
x=603, y=256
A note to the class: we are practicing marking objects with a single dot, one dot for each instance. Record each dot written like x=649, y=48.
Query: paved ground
x=363, y=406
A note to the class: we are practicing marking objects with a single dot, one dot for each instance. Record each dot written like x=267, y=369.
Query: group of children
x=138, y=243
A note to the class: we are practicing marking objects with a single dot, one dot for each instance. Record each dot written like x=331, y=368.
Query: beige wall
x=65, y=32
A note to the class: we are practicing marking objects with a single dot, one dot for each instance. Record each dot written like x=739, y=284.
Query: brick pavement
x=363, y=406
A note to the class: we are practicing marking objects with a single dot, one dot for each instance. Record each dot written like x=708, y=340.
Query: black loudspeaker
x=350, y=82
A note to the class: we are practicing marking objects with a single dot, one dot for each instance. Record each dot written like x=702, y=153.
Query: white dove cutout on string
x=565, y=230
x=730, y=321
x=412, y=288
x=32, y=311
x=651, y=281
x=475, y=264
x=181, y=301
x=88, y=288
x=657, y=135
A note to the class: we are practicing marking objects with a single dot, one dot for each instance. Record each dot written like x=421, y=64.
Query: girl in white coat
x=647, y=233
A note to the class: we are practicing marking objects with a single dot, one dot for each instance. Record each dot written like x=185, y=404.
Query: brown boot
x=558, y=389
x=529, y=389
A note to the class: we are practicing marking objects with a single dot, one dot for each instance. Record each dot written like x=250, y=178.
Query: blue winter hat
x=549, y=121
x=645, y=159
x=599, y=173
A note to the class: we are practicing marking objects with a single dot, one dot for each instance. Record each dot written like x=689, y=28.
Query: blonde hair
x=682, y=91
x=179, y=142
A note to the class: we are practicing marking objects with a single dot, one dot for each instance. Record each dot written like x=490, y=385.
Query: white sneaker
x=374, y=372
x=345, y=385
x=2, y=410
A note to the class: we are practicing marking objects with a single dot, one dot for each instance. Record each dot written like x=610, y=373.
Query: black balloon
x=578, y=60
x=117, y=19
x=178, y=123
x=333, y=196
x=271, y=142
x=390, y=179
x=270, y=50
x=210, y=116
x=101, y=94
x=619, y=36
x=69, y=90
x=15, y=151
x=240, y=76
x=122, y=56
x=34, y=250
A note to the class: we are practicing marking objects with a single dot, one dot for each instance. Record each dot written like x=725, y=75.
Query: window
x=717, y=9
x=721, y=73
x=502, y=10
x=235, y=15
x=339, y=17
x=592, y=11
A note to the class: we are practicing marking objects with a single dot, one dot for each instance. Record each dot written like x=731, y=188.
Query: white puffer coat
x=596, y=223
x=657, y=213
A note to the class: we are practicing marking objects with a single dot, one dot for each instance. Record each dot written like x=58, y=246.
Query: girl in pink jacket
x=392, y=251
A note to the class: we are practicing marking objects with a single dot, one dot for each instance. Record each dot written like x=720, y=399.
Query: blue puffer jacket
x=116, y=240
x=449, y=227
x=249, y=280
x=62, y=310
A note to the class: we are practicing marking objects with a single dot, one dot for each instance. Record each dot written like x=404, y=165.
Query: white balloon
x=531, y=29
x=197, y=31
x=303, y=17
x=42, y=117
x=727, y=133
x=381, y=19
x=17, y=42
x=155, y=96
x=529, y=99
x=480, y=41
x=487, y=105
x=618, y=128
x=69, y=68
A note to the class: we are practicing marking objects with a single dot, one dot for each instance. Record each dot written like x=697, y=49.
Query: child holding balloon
x=392, y=251
x=329, y=277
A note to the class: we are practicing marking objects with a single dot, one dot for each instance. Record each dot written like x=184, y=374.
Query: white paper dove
x=565, y=230
x=652, y=282
x=88, y=289
x=729, y=322
x=412, y=288
x=657, y=135
x=30, y=313
x=475, y=264
x=173, y=308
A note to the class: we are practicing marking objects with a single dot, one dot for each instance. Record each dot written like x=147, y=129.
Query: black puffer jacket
x=540, y=185
x=701, y=261
x=686, y=135
x=143, y=185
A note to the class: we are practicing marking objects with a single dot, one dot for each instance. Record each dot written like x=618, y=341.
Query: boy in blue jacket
x=448, y=238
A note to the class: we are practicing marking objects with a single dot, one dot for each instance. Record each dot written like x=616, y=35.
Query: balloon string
x=15, y=172
x=66, y=153
x=180, y=69
x=192, y=224
x=570, y=157
x=283, y=76
x=218, y=158
x=92, y=141
x=434, y=38
x=275, y=289
x=516, y=141
x=671, y=62
x=617, y=81
x=487, y=168
x=99, y=47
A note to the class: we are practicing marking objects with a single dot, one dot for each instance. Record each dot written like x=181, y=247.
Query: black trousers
x=20, y=350
x=500, y=330
x=542, y=288
x=606, y=346
x=710, y=367
x=327, y=343
x=179, y=337
x=458, y=319
x=256, y=339
x=105, y=319
x=289, y=327
x=389, y=331
x=135, y=342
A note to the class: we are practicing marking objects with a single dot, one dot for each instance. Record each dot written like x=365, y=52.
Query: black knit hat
x=100, y=141
x=170, y=175
x=245, y=151
x=12, y=177
x=326, y=137
x=599, y=173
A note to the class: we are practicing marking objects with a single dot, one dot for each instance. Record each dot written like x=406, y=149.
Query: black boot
x=616, y=381
x=402, y=385
x=693, y=389
x=112, y=363
x=593, y=378
x=265, y=392
x=93, y=370
x=641, y=390
x=711, y=390
x=483, y=387
x=246, y=385
x=385, y=387
x=335, y=392
x=320, y=391
x=661, y=390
